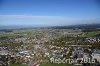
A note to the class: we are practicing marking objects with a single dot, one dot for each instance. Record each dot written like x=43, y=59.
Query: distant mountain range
x=80, y=26
x=14, y=27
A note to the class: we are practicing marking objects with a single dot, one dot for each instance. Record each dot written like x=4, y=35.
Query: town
x=37, y=47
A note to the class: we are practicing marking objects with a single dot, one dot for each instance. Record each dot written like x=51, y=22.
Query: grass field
x=92, y=34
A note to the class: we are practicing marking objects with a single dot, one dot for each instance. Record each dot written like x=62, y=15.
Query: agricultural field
x=93, y=34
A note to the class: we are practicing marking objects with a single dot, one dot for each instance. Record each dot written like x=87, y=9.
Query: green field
x=92, y=34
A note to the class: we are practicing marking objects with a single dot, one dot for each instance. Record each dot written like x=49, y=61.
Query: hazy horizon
x=49, y=12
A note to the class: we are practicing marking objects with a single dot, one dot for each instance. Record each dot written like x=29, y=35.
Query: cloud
x=47, y=20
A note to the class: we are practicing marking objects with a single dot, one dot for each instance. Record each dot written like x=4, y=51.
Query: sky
x=49, y=12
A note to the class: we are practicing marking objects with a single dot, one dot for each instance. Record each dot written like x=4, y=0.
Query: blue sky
x=49, y=12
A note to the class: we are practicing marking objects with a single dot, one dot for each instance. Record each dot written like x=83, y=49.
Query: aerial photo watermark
x=72, y=61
